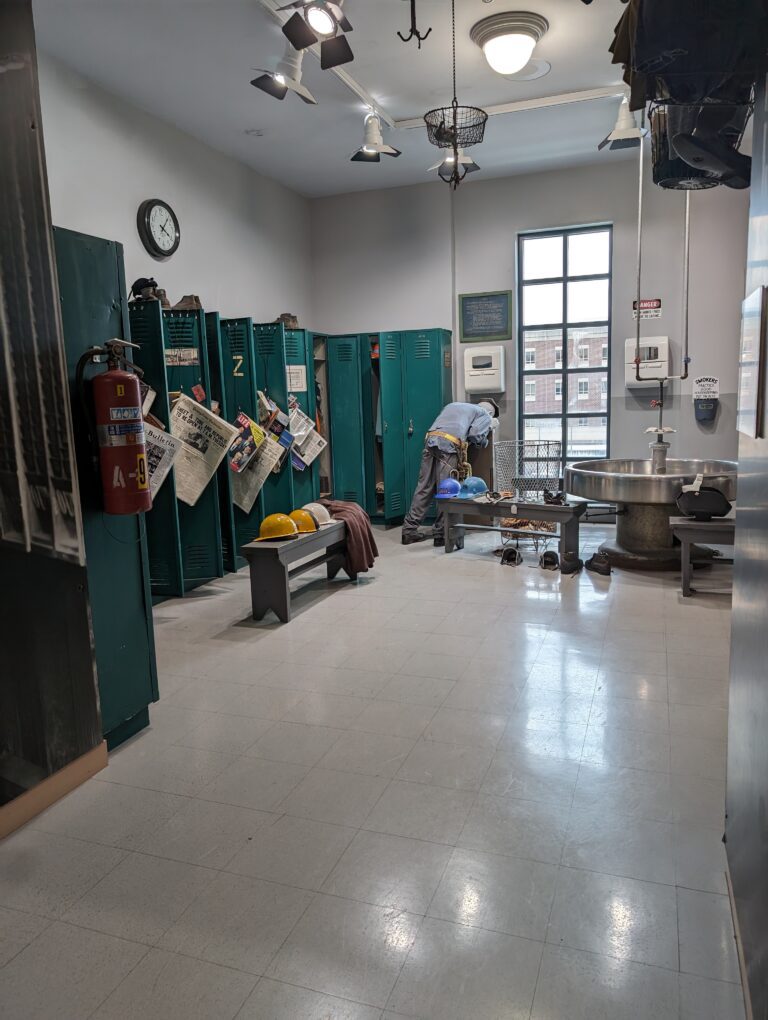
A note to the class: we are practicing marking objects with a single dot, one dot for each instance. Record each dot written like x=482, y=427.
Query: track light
x=452, y=161
x=508, y=39
x=285, y=78
x=373, y=147
x=320, y=21
x=626, y=134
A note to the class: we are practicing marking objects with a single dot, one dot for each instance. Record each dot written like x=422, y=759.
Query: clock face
x=158, y=228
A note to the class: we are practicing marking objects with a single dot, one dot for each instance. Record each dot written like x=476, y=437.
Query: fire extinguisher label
x=142, y=480
x=125, y=414
x=129, y=433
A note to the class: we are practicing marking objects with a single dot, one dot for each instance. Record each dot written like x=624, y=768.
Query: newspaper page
x=162, y=450
x=249, y=438
x=246, y=485
x=206, y=439
x=312, y=447
x=299, y=425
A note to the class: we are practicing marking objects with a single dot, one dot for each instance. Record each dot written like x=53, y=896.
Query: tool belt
x=464, y=469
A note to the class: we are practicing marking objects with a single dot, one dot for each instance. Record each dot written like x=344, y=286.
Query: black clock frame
x=145, y=233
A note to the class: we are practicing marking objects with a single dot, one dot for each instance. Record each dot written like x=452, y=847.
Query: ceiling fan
x=320, y=21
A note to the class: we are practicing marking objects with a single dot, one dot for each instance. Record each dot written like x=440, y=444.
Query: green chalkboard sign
x=485, y=316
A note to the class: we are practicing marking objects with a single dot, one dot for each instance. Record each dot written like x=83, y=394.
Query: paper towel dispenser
x=484, y=369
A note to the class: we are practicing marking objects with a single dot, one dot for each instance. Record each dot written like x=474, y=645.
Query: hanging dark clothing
x=361, y=544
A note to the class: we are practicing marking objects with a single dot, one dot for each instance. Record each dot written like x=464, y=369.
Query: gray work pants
x=435, y=466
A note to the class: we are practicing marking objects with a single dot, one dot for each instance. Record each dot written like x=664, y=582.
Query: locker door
x=392, y=425
x=422, y=353
x=299, y=352
x=269, y=348
x=346, y=418
x=215, y=371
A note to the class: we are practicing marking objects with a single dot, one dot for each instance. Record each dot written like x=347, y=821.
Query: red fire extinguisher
x=119, y=429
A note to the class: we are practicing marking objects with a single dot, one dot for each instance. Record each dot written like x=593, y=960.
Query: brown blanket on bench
x=361, y=545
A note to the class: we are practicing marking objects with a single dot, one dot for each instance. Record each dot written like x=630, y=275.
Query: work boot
x=571, y=564
x=439, y=541
x=549, y=560
x=162, y=297
x=189, y=303
x=599, y=564
x=413, y=537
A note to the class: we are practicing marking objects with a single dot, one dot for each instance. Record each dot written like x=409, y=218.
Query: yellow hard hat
x=304, y=521
x=277, y=526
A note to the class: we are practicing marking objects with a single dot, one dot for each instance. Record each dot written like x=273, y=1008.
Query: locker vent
x=266, y=345
x=421, y=349
x=345, y=352
x=198, y=561
x=159, y=571
x=395, y=501
x=390, y=348
x=352, y=496
x=140, y=332
x=181, y=332
x=292, y=347
x=236, y=338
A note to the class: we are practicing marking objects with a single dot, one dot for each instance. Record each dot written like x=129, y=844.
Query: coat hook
x=414, y=33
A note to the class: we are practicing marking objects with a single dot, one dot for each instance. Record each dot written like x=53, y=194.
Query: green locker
x=392, y=425
x=347, y=429
x=239, y=393
x=200, y=524
x=299, y=352
x=163, y=527
x=426, y=388
x=94, y=309
x=226, y=507
x=269, y=347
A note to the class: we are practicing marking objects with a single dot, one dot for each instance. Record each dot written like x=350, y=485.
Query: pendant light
x=320, y=21
x=373, y=147
x=448, y=165
x=626, y=134
x=508, y=39
x=455, y=127
x=285, y=78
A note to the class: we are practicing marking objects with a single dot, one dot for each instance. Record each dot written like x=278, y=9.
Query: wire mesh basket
x=455, y=126
x=526, y=467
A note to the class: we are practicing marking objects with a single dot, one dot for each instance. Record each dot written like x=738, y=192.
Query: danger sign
x=650, y=308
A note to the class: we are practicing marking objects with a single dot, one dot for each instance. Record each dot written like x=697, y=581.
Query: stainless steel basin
x=631, y=481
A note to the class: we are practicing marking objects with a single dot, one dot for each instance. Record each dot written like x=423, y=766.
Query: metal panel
x=269, y=347
x=223, y=475
x=392, y=425
x=746, y=796
x=423, y=356
x=200, y=524
x=346, y=417
x=299, y=351
x=239, y=386
x=94, y=309
x=163, y=529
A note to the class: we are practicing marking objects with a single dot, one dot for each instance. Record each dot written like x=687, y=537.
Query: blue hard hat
x=472, y=486
x=448, y=488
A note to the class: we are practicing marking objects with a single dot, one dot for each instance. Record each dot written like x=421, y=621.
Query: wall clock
x=158, y=228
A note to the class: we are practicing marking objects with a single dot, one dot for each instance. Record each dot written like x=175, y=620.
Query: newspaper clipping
x=162, y=450
x=249, y=438
x=246, y=485
x=205, y=441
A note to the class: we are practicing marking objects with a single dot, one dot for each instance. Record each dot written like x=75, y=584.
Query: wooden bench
x=718, y=531
x=270, y=566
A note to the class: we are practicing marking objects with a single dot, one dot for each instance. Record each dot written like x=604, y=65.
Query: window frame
x=562, y=370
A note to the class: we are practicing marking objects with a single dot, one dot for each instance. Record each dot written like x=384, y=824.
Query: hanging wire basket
x=455, y=126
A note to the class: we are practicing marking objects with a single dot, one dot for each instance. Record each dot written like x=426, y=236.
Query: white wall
x=381, y=260
x=245, y=246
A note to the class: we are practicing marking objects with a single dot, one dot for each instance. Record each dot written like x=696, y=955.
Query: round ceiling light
x=320, y=20
x=508, y=39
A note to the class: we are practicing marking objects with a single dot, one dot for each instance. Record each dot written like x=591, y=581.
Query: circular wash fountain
x=645, y=501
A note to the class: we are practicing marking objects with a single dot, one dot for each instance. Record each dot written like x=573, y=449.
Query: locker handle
x=386, y=426
x=410, y=427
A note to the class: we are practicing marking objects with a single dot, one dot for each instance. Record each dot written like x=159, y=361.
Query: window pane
x=585, y=347
x=587, y=393
x=540, y=394
x=542, y=257
x=587, y=301
x=547, y=348
x=588, y=254
x=542, y=303
x=587, y=437
x=543, y=429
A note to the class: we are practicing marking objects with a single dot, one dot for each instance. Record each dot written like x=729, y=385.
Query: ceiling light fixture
x=626, y=134
x=449, y=164
x=321, y=21
x=455, y=127
x=508, y=39
x=373, y=147
x=285, y=78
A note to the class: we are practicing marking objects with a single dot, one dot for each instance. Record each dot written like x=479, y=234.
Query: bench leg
x=454, y=533
x=569, y=540
x=335, y=564
x=270, y=590
x=685, y=565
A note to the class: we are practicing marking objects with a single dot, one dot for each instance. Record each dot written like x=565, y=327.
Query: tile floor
x=454, y=791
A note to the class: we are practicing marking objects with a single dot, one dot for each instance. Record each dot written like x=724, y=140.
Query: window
x=564, y=297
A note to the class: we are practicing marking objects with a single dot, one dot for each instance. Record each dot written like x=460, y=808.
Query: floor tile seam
x=38, y=917
x=147, y=950
x=622, y=959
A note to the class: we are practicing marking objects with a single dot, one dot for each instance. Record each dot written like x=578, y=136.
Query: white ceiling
x=190, y=62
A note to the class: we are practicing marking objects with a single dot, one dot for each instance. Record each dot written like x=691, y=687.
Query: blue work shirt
x=467, y=422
